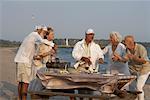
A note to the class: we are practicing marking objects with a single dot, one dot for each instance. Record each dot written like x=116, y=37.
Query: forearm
x=45, y=41
x=45, y=54
x=41, y=55
x=76, y=55
x=119, y=58
x=139, y=60
x=136, y=59
x=122, y=59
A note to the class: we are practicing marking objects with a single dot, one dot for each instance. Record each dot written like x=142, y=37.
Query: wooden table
x=103, y=83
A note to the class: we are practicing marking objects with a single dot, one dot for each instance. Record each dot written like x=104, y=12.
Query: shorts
x=23, y=72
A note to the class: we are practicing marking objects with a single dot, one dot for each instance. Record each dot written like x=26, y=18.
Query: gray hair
x=117, y=35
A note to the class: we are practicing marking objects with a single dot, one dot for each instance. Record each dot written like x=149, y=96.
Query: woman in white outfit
x=44, y=53
x=116, y=50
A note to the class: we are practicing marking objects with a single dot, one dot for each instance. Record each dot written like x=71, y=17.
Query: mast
x=67, y=44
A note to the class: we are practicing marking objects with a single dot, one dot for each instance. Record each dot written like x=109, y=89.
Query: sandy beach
x=8, y=84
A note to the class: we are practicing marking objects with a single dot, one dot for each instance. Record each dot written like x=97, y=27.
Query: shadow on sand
x=8, y=91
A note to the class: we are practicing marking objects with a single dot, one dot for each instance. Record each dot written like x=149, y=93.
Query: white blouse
x=116, y=66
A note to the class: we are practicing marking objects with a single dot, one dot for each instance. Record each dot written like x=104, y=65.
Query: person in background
x=87, y=54
x=116, y=51
x=139, y=63
x=24, y=58
x=44, y=53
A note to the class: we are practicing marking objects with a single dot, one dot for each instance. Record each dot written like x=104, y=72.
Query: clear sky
x=71, y=18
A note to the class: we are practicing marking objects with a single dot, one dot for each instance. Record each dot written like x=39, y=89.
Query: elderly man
x=87, y=53
x=138, y=63
x=24, y=59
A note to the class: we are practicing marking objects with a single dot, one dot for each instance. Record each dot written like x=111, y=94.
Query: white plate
x=107, y=74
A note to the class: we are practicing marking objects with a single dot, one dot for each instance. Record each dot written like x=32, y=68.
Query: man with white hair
x=24, y=59
x=139, y=63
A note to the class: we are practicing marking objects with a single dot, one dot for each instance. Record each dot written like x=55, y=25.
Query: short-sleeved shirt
x=27, y=49
x=141, y=52
x=116, y=66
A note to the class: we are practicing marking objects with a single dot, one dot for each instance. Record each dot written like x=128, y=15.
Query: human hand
x=126, y=57
x=37, y=57
x=101, y=61
x=116, y=57
x=55, y=47
x=132, y=57
x=52, y=52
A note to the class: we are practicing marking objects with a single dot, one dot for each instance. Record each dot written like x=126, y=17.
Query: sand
x=8, y=84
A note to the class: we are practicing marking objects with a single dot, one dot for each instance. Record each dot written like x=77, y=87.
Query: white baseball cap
x=38, y=27
x=89, y=31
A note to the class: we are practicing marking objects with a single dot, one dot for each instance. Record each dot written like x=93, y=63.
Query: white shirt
x=27, y=49
x=79, y=51
x=118, y=67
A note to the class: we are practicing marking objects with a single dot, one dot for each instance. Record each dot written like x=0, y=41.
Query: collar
x=134, y=50
x=84, y=42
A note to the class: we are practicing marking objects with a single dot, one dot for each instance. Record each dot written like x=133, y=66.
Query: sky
x=70, y=19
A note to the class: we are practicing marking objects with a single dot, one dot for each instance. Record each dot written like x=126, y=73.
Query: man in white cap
x=87, y=54
x=38, y=28
x=24, y=59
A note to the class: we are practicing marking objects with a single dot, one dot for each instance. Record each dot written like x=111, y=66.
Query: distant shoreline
x=63, y=43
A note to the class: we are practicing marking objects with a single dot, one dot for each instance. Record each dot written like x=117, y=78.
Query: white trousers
x=140, y=84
